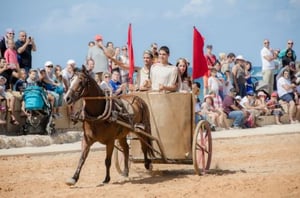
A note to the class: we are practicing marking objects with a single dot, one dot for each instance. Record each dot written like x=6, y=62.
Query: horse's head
x=79, y=85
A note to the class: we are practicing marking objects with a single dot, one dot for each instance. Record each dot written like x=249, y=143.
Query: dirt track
x=257, y=166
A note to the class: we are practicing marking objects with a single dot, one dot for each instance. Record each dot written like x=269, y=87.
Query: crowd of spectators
x=228, y=89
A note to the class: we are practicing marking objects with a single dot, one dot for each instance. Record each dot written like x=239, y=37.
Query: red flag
x=130, y=54
x=199, y=61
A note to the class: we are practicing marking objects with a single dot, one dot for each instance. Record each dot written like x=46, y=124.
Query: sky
x=63, y=28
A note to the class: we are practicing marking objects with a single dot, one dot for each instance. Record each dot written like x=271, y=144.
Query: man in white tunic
x=163, y=75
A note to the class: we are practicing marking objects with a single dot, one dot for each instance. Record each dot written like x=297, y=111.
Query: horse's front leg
x=85, y=149
x=109, y=151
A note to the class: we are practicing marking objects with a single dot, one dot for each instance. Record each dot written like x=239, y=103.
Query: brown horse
x=98, y=125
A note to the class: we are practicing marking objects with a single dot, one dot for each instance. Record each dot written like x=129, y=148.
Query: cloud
x=197, y=8
x=74, y=19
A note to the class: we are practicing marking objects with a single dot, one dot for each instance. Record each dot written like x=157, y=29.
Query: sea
x=255, y=72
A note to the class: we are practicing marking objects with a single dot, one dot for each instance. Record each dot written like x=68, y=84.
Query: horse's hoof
x=70, y=182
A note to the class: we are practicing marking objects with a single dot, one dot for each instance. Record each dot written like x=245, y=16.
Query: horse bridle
x=85, y=83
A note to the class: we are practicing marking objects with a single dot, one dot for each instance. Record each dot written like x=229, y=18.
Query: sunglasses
x=11, y=33
x=290, y=43
x=51, y=66
x=106, y=76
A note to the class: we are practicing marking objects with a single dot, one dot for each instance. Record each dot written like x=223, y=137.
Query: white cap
x=70, y=62
x=47, y=63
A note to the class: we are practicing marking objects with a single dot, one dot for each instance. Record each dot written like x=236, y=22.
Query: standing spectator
x=91, y=44
x=249, y=83
x=24, y=46
x=154, y=50
x=213, y=82
x=233, y=111
x=98, y=55
x=221, y=77
x=10, y=34
x=226, y=65
x=268, y=65
x=228, y=83
x=124, y=59
x=290, y=45
x=11, y=56
x=238, y=74
x=163, y=76
x=210, y=59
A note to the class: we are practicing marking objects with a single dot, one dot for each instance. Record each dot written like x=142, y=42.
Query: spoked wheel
x=202, y=147
x=119, y=159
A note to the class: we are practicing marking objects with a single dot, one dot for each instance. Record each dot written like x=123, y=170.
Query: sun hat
x=98, y=37
x=47, y=63
x=238, y=97
x=274, y=94
x=240, y=57
x=71, y=62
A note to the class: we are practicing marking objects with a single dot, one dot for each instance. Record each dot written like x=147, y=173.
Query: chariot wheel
x=118, y=156
x=202, y=147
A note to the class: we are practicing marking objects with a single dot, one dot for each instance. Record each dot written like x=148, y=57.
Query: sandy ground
x=256, y=166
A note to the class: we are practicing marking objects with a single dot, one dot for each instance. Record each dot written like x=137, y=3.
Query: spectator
x=91, y=44
x=285, y=90
x=154, y=50
x=290, y=45
x=90, y=65
x=105, y=84
x=10, y=34
x=124, y=59
x=20, y=85
x=9, y=73
x=68, y=72
x=210, y=59
x=232, y=110
x=24, y=46
x=11, y=56
x=268, y=65
x=221, y=77
x=117, y=87
x=209, y=112
x=213, y=82
x=248, y=77
x=275, y=107
x=163, y=76
x=97, y=53
x=288, y=58
x=228, y=83
x=226, y=65
x=2, y=96
x=238, y=73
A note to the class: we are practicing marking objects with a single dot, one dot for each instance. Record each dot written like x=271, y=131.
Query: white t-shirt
x=280, y=90
x=266, y=65
x=214, y=84
x=163, y=74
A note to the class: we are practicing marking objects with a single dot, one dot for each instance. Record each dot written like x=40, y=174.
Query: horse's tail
x=146, y=121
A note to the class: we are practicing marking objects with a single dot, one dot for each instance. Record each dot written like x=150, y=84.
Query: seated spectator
x=117, y=87
x=218, y=104
x=68, y=72
x=20, y=84
x=210, y=112
x=232, y=111
x=2, y=96
x=285, y=90
x=105, y=84
x=275, y=107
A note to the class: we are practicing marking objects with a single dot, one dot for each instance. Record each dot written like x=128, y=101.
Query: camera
x=29, y=37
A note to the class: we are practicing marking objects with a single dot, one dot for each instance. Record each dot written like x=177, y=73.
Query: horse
x=100, y=126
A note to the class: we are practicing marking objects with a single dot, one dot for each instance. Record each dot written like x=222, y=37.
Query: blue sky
x=62, y=28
